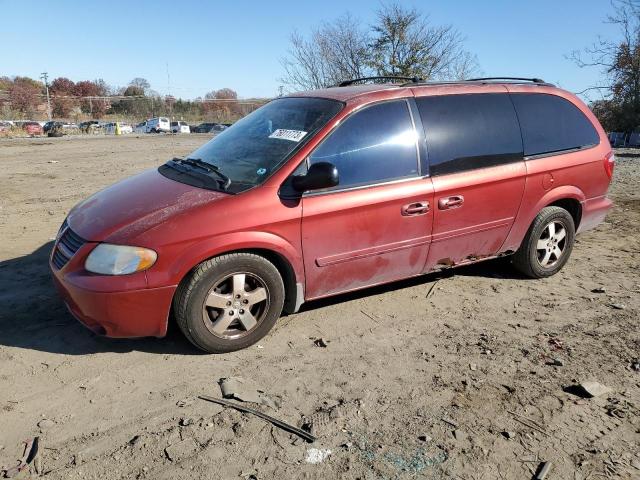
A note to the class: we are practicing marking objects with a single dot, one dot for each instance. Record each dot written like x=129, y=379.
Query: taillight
x=609, y=164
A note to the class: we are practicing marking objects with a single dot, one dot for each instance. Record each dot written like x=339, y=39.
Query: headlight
x=108, y=259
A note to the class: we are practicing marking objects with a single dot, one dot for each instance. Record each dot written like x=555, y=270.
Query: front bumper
x=114, y=306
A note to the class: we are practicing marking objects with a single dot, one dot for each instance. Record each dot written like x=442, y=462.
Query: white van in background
x=153, y=125
x=158, y=124
x=180, y=127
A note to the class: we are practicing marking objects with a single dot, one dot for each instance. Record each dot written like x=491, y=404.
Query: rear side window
x=465, y=132
x=552, y=124
x=373, y=145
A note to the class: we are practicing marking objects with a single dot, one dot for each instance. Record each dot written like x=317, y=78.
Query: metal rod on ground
x=278, y=423
x=542, y=471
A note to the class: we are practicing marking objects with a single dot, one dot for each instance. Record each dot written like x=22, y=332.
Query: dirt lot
x=440, y=377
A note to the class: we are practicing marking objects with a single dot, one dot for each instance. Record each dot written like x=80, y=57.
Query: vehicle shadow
x=499, y=268
x=32, y=316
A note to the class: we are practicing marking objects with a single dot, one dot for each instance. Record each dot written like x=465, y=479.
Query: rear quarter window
x=469, y=131
x=552, y=124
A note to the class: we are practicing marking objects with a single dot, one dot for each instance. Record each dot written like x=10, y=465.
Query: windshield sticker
x=292, y=135
x=261, y=171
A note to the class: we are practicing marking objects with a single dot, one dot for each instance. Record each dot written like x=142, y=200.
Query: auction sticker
x=292, y=135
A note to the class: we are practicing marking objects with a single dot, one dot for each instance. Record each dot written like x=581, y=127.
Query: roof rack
x=518, y=79
x=537, y=81
x=346, y=83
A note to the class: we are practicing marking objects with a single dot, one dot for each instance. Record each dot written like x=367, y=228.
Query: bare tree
x=401, y=42
x=333, y=52
x=407, y=44
x=619, y=63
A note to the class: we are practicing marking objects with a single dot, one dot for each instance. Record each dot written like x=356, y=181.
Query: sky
x=187, y=48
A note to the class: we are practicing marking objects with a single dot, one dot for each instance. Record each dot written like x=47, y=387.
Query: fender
x=528, y=212
x=188, y=256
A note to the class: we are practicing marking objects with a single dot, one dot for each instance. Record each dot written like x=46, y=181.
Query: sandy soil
x=439, y=377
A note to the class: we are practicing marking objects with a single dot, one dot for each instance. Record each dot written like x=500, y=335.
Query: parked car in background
x=180, y=127
x=158, y=125
x=64, y=127
x=110, y=128
x=140, y=127
x=206, y=127
x=332, y=191
x=91, y=126
x=32, y=128
x=5, y=126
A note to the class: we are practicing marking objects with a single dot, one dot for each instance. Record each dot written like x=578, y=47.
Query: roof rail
x=346, y=83
x=517, y=79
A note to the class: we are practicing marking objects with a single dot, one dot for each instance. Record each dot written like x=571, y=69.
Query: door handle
x=454, y=201
x=416, y=208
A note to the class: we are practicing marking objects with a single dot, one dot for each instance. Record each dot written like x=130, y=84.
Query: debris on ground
x=508, y=435
x=556, y=362
x=185, y=402
x=588, y=389
x=245, y=390
x=543, y=469
x=321, y=342
x=617, y=306
x=635, y=365
x=278, y=423
x=45, y=424
x=317, y=455
x=30, y=453
x=181, y=450
x=599, y=290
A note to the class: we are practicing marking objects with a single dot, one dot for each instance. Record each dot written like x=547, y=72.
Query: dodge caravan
x=330, y=191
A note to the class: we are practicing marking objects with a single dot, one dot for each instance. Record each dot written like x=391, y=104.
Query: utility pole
x=45, y=77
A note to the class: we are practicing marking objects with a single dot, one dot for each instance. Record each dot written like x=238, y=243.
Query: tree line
x=24, y=97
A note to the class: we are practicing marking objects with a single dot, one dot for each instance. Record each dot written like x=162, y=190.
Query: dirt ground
x=445, y=376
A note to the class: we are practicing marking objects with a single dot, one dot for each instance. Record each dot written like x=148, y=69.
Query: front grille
x=68, y=244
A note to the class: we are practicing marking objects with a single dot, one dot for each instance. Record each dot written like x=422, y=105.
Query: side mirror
x=320, y=175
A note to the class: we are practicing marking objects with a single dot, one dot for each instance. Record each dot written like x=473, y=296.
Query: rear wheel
x=229, y=302
x=548, y=244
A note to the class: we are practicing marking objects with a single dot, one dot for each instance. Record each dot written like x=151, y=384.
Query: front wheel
x=229, y=302
x=548, y=244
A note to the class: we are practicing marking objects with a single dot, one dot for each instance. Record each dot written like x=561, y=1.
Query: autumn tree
x=619, y=64
x=24, y=95
x=90, y=101
x=219, y=104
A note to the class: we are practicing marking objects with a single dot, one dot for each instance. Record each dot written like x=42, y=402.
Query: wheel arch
x=568, y=197
x=277, y=250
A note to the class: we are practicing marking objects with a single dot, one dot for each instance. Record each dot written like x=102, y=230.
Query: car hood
x=133, y=206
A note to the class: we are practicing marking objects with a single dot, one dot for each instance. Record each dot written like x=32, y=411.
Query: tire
x=536, y=262
x=229, y=289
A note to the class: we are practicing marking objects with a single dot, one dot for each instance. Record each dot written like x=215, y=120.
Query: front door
x=374, y=226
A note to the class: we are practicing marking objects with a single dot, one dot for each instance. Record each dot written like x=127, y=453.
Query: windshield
x=254, y=147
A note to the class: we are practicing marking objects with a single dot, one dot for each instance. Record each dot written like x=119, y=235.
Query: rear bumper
x=594, y=211
x=109, y=307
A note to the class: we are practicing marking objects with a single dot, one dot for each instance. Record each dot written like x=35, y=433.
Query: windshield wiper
x=207, y=167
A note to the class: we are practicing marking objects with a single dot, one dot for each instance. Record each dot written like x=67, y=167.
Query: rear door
x=374, y=226
x=476, y=164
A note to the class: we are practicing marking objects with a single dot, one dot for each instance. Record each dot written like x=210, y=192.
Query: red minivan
x=331, y=191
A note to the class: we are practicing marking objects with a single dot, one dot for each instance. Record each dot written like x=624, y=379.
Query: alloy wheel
x=236, y=305
x=551, y=244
